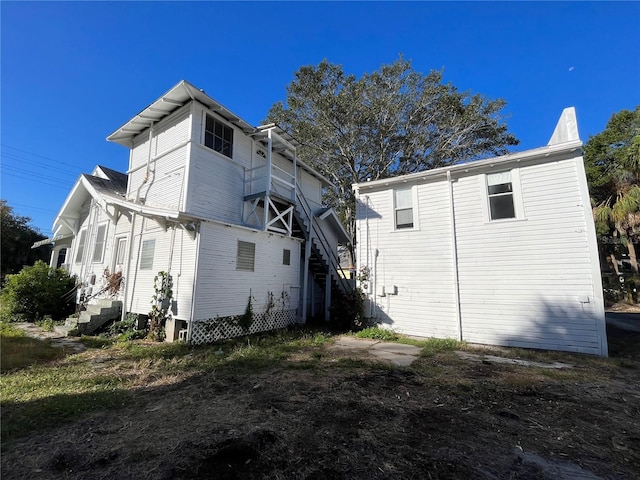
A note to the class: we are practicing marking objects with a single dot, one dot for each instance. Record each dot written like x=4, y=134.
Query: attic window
x=218, y=136
x=246, y=256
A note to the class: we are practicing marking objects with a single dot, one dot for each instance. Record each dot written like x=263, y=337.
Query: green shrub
x=127, y=329
x=347, y=311
x=47, y=324
x=38, y=291
x=377, y=333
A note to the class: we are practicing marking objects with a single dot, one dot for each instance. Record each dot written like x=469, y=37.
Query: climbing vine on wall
x=160, y=305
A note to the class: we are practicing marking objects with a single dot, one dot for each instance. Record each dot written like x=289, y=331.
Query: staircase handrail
x=334, y=261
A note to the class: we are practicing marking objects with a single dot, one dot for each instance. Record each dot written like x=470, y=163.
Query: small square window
x=500, y=192
x=286, y=257
x=246, y=256
x=218, y=136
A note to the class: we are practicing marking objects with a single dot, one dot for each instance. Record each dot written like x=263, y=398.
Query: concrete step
x=64, y=330
x=95, y=316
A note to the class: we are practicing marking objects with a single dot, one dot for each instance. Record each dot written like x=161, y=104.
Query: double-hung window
x=98, y=249
x=218, y=136
x=403, y=208
x=500, y=193
x=81, y=242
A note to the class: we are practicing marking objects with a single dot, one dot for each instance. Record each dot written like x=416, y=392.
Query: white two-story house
x=226, y=209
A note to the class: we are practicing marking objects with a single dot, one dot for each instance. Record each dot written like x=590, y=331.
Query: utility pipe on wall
x=454, y=253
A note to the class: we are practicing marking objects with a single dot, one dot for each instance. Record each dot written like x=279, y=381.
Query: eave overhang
x=176, y=97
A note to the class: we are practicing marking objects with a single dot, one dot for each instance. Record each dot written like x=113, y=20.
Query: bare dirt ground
x=350, y=417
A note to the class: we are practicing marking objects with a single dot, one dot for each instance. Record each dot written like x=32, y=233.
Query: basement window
x=500, y=193
x=286, y=257
x=146, y=255
x=246, y=256
x=218, y=136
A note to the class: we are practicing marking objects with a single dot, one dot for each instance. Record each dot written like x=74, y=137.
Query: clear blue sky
x=72, y=73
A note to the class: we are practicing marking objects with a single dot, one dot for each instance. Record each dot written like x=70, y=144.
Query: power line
x=4, y=145
x=42, y=182
x=28, y=161
x=14, y=169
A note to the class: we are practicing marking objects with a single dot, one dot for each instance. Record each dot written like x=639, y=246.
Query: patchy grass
x=281, y=405
x=108, y=374
x=19, y=351
x=377, y=333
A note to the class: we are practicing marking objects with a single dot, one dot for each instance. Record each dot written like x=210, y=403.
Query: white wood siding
x=169, y=150
x=174, y=252
x=223, y=291
x=418, y=263
x=311, y=188
x=526, y=282
x=216, y=186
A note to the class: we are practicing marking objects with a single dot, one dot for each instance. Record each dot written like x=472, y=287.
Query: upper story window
x=218, y=136
x=403, y=208
x=500, y=193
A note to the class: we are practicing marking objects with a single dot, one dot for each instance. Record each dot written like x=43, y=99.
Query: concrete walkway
x=397, y=353
x=57, y=340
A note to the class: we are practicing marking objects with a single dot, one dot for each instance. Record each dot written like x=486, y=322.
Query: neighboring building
x=226, y=209
x=500, y=251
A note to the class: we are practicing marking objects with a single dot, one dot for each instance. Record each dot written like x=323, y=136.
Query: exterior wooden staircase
x=91, y=319
x=323, y=260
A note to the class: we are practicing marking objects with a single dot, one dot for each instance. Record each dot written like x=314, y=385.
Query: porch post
x=327, y=296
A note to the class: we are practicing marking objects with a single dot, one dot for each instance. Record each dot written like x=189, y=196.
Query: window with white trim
x=246, y=257
x=98, y=249
x=500, y=194
x=403, y=208
x=146, y=255
x=218, y=136
x=286, y=257
x=121, y=251
x=81, y=242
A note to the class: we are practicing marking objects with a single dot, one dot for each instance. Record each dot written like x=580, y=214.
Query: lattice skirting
x=207, y=331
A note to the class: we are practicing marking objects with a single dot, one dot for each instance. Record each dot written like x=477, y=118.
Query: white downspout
x=454, y=253
x=193, y=289
x=146, y=176
x=127, y=280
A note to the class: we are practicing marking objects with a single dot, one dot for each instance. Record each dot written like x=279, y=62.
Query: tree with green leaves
x=17, y=237
x=390, y=122
x=612, y=163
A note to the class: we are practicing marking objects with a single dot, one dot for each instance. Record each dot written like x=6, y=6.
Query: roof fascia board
x=333, y=216
x=542, y=154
